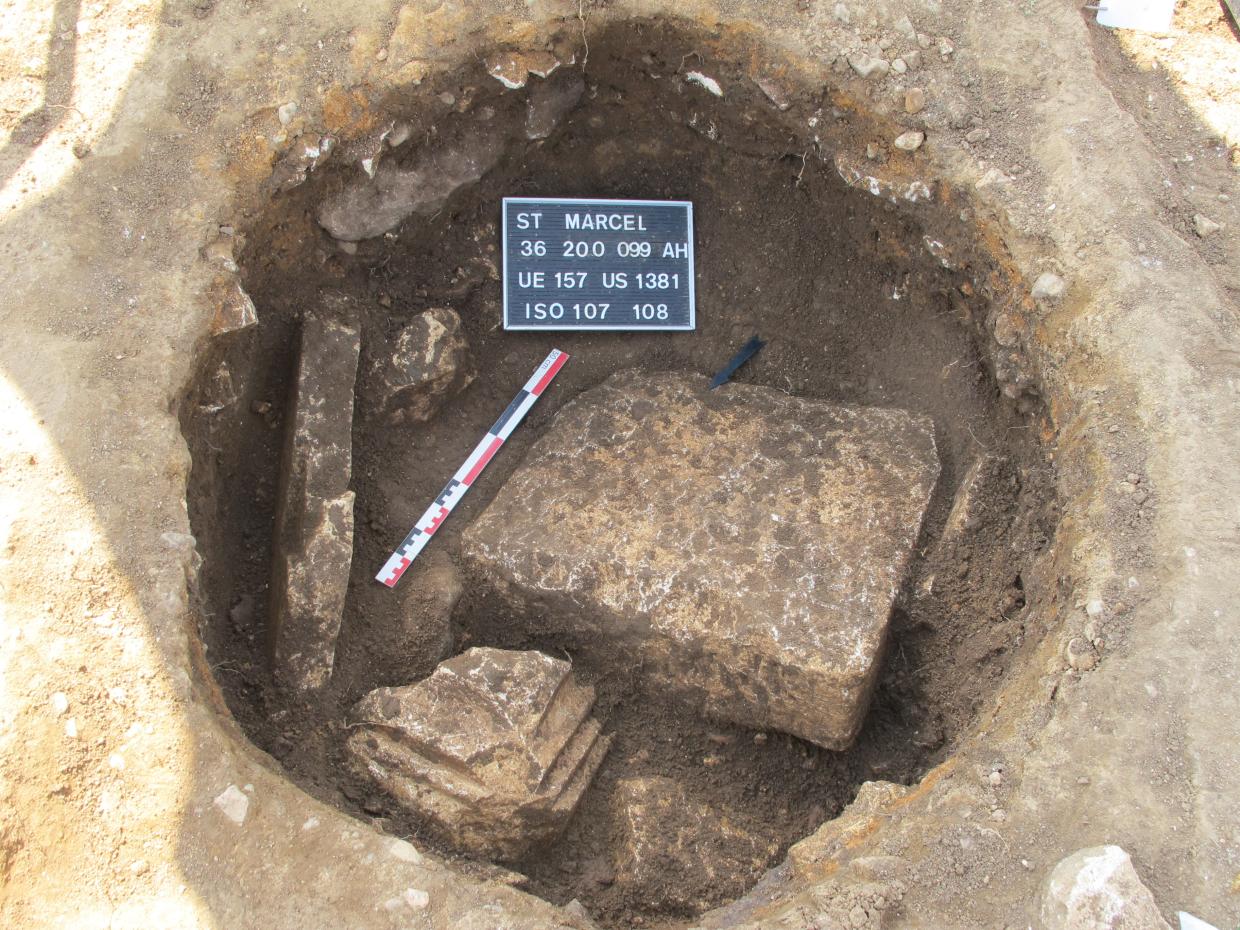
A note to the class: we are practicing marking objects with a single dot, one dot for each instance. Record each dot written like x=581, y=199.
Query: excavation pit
x=873, y=290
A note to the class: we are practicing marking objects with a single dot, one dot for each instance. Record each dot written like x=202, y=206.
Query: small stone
x=898, y=66
x=998, y=815
x=1094, y=608
x=775, y=92
x=873, y=151
x=924, y=41
x=995, y=779
x=399, y=134
x=1049, y=286
x=233, y=804
x=234, y=310
x=381, y=55
x=287, y=112
x=885, y=43
x=60, y=703
x=400, y=849
x=912, y=59
x=914, y=100
x=429, y=364
x=977, y=135
x=1098, y=889
x=704, y=81
x=946, y=48
x=904, y=26
x=1205, y=226
x=1083, y=780
x=868, y=66
x=760, y=739
x=909, y=141
x=512, y=69
x=1080, y=654
x=416, y=898
x=71, y=728
x=842, y=14
x=550, y=101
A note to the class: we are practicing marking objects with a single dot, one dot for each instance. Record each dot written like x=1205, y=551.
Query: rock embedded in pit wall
x=1098, y=889
x=313, y=545
x=550, y=101
x=493, y=751
x=429, y=363
x=742, y=545
x=370, y=206
x=678, y=852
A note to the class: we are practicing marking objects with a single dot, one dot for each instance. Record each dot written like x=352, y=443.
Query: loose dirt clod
x=493, y=750
x=741, y=546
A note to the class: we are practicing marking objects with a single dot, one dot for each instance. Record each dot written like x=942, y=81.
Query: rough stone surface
x=234, y=310
x=1049, y=286
x=1098, y=889
x=371, y=206
x=869, y=66
x=550, y=100
x=819, y=852
x=313, y=545
x=909, y=141
x=494, y=749
x=699, y=858
x=1204, y=226
x=431, y=363
x=747, y=545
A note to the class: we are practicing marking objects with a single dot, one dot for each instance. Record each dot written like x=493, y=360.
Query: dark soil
x=854, y=310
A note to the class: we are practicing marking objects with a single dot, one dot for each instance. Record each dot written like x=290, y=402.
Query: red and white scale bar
x=451, y=495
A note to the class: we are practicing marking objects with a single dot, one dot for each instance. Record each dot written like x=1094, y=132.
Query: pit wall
x=1133, y=362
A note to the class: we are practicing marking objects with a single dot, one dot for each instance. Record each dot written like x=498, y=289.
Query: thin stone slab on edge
x=744, y=545
x=493, y=751
x=313, y=546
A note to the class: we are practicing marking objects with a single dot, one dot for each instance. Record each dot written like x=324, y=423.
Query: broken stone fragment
x=775, y=91
x=743, y=546
x=493, y=751
x=370, y=206
x=909, y=141
x=234, y=310
x=868, y=66
x=512, y=69
x=429, y=364
x=1098, y=889
x=678, y=853
x=313, y=544
x=550, y=100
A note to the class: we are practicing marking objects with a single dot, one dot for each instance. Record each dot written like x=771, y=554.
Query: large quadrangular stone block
x=744, y=545
x=493, y=750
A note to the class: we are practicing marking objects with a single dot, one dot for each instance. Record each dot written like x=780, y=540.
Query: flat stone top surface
x=745, y=520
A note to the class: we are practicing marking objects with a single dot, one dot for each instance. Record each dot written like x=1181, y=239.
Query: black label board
x=598, y=264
